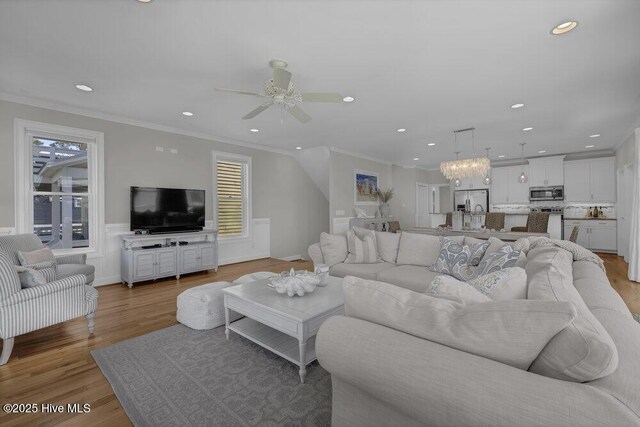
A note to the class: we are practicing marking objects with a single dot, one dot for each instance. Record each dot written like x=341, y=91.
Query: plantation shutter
x=231, y=197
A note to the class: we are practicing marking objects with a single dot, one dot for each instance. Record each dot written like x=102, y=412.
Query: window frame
x=246, y=205
x=24, y=130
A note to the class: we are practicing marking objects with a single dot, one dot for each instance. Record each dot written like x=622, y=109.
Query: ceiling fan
x=281, y=92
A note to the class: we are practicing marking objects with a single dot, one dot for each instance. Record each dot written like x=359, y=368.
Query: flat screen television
x=165, y=210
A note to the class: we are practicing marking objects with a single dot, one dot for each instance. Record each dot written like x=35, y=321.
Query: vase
x=385, y=210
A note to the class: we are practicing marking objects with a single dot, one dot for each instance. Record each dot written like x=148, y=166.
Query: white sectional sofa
x=383, y=376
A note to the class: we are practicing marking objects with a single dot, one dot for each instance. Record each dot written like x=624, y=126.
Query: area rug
x=179, y=376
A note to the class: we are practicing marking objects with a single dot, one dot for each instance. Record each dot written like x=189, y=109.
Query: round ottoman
x=202, y=307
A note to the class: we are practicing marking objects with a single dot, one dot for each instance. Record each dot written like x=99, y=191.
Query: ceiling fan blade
x=240, y=92
x=258, y=110
x=321, y=97
x=299, y=114
x=281, y=78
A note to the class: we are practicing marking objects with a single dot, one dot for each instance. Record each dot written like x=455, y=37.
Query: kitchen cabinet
x=597, y=235
x=197, y=257
x=546, y=171
x=590, y=181
x=505, y=187
x=471, y=183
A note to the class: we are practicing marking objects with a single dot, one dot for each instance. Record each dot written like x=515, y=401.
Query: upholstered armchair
x=67, y=265
x=30, y=309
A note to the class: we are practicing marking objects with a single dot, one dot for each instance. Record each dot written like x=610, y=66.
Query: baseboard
x=291, y=258
x=104, y=281
x=235, y=260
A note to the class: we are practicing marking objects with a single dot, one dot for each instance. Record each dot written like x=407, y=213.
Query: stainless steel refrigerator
x=475, y=201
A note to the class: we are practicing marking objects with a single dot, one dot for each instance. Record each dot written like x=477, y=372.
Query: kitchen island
x=507, y=236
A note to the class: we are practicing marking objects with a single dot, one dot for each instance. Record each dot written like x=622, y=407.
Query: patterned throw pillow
x=506, y=284
x=450, y=288
x=477, y=251
x=504, y=257
x=361, y=250
x=454, y=260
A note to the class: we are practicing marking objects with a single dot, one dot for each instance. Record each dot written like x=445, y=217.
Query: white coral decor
x=294, y=284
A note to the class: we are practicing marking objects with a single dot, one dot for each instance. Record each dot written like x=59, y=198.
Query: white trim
x=147, y=125
x=291, y=258
x=247, y=210
x=7, y=230
x=243, y=258
x=23, y=209
x=360, y=156
x=355, y=193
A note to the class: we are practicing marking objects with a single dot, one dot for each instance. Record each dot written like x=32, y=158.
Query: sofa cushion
x=30, y=278
x=506, y=284
x=334, y=248
x=504, y=257
x=67, y=270
x=443, y=286
x=511, y=332
x=362, y=250
x=367, y=271
x=388, y=244
x=418, y=249
x=583, y=351
x=594, y=289
x=411, y=277
x=477, y=251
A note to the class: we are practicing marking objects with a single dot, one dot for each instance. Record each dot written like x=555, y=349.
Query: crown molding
x=40, y=103
x=360, y=156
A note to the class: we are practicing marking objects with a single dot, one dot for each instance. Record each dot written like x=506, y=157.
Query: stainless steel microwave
x=546, y=193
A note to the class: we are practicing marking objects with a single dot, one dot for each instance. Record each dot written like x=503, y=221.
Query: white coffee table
x=284, y=325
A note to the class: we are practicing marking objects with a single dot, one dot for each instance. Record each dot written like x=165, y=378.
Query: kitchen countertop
x=507, y=236
x=589, y=219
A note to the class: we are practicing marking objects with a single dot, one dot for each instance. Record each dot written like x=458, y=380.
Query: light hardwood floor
x=54, y=365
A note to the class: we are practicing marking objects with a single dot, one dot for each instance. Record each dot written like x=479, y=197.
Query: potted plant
x=385, y=196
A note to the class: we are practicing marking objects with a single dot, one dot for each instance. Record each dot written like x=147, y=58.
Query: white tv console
x=169, y=258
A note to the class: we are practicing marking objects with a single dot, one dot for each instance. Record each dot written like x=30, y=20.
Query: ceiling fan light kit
x=465, y=168
x=282, y=92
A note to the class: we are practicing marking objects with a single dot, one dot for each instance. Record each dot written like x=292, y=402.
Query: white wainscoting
x=340, y=225
x=7, y=230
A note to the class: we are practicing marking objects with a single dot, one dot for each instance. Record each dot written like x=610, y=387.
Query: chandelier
x=465, y=168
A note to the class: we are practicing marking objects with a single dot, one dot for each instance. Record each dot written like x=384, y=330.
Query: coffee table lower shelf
x=275, y=341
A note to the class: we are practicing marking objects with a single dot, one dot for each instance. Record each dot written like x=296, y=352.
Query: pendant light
x=523, y=178
x=487, y=177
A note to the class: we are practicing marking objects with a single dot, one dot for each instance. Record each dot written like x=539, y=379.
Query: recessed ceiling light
x=254, y=130
x=595, y=135
x=416, y=158
x=564, y=28
x=298, y=148
x=402, y=130
x=527, y=129
x=348, y=99
x=542, y=151
x=589, y=146
x=187, y=113
x=431, y=144
x=84, y=88
x=516, y=106
x=501, y=156
x=144, y=1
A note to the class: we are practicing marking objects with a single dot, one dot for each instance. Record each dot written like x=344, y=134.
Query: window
x=59, y=187
x=231, y=187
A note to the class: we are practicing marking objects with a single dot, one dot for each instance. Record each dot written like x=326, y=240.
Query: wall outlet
x=340, y=212
x=174, y=151
x=160, y=149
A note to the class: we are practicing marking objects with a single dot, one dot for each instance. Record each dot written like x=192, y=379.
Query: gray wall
x=282, y=191
x=625, y=154
x=342, y=188
x=403, y=204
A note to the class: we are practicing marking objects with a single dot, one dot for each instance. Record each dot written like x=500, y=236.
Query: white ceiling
x=428, y=66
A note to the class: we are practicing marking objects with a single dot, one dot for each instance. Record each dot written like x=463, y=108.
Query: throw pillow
x=334, y=248
x=443, y=286
x=387, y=245
x=40, y=258
x=361, y=251
x=454, y=260
x=504, y=257
x=30, y=278
x=510, y=332
x=418, y=249
x=477, y=251
x=506, y=284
